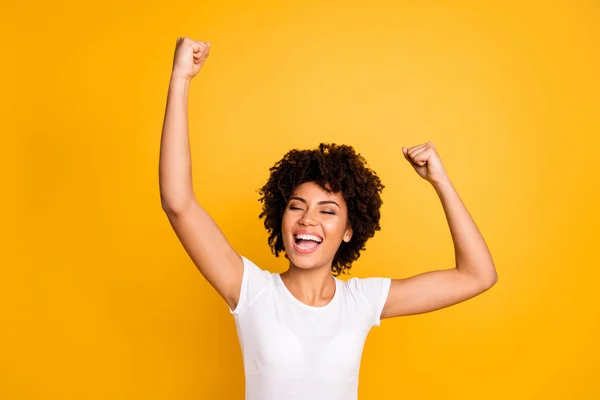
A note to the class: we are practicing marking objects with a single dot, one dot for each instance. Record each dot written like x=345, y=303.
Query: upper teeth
x=309, y=237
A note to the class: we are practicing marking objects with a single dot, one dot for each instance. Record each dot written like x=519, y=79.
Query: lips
x=306, y=242
x=309, y=233
x=302, y=250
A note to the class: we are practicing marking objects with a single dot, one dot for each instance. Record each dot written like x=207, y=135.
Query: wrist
x=441, y=184
x=179, y=86
x=181, y=80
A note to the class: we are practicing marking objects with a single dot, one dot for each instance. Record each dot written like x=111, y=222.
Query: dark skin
x=309, y=276
x=312, y=209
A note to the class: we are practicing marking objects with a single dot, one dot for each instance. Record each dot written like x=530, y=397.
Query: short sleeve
x=375, y=291
x=254, y=282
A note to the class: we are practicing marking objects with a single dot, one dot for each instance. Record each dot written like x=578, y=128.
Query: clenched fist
x=189, y=57
x=426, y=162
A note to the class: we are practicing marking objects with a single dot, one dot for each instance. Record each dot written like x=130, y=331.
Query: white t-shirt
x=293, y=351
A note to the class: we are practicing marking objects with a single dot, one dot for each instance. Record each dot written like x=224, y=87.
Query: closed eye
x=324, y=212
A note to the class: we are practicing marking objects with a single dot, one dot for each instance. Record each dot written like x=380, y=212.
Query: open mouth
x=305, y=243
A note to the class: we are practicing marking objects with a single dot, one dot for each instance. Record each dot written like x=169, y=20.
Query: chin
x=304, y=262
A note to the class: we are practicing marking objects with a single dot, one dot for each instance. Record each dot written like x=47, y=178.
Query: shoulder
x=255, y=277
x=369, y=286
x=253, y=271
x=372, y=291
x=255, y=281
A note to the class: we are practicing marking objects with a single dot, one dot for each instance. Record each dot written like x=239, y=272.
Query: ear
x=348, y=234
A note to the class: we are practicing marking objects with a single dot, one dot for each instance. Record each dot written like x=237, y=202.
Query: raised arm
x=474, y=272
x=201, y=237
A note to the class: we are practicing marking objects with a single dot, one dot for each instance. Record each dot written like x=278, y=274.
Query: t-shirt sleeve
x=254, y=282
x=375, y=291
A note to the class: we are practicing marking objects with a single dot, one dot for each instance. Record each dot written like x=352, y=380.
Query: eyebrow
x=321, y=202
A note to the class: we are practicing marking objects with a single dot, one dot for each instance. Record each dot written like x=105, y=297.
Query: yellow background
x=100, y=301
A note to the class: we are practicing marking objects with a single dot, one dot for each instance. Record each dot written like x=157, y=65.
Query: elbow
x=487, y=275
x=173, y=209
x=490, y=281
x=166, y=206
x=174, y=202
x=483, y=276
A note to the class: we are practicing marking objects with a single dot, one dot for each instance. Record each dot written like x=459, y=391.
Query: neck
x=314, y=286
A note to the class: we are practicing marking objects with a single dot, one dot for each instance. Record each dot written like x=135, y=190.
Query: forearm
x=471, y=253
x=175, y=168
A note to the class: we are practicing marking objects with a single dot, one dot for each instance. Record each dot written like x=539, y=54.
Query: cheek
x=334, y=229
x=286, y=223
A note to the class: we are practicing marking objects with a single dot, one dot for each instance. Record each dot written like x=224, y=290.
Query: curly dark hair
x=336, y=168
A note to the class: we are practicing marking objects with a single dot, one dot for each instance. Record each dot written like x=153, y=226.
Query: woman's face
x=314, y=224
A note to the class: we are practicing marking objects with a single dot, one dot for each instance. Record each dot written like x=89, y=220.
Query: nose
x=307, y=219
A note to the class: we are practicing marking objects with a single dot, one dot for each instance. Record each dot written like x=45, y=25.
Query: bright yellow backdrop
x=100, y=301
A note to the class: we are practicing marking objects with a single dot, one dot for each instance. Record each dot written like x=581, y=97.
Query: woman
x=302, y=332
